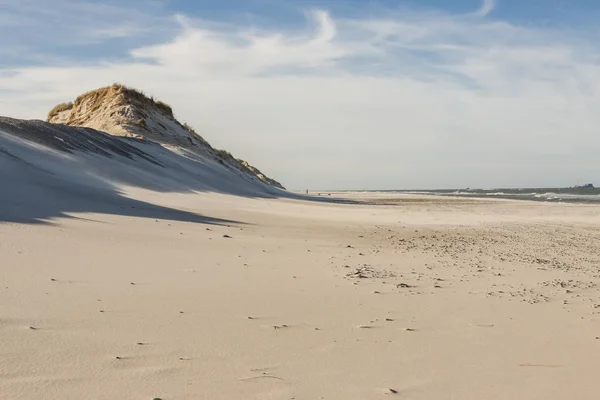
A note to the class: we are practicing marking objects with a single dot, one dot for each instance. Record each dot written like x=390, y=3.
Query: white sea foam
x=518, y=194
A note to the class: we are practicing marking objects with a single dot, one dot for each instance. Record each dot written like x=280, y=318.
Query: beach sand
x=401, y=296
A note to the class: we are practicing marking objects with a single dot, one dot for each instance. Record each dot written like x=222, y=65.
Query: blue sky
x=339, y=93
x=34, y=25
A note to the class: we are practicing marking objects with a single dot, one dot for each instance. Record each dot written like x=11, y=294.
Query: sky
x=337, y=94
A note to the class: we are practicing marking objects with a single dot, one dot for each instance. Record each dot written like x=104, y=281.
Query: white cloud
x=242, y=53
x=486, y=8
x=406, y=99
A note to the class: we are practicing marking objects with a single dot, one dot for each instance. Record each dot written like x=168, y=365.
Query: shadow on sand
x=129, y=161
x=29, y=204
x=49, y=170
x=37, y=186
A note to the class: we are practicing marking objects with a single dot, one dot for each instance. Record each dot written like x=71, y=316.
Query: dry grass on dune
x=128, y=95
x=59, y=108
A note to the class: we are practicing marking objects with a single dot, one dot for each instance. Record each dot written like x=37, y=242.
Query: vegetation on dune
x=140, y=96
x=165, y=108
x=95, y=96
x=128, y=95
x=59, y=108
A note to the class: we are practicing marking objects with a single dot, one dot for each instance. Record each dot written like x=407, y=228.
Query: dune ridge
x=122, y=111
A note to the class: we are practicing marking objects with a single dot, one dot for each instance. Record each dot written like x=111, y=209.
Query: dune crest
x=123, y=111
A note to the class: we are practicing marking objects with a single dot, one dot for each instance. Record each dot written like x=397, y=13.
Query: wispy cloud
x=486, y=8
x=409, y=98
x=239, y=52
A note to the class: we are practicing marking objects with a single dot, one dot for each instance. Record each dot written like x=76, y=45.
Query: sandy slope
x=47, y=171
x=435, y=299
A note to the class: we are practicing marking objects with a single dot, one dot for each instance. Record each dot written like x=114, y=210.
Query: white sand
x=502, y=303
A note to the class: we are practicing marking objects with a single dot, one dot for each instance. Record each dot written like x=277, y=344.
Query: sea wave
x=571, y=195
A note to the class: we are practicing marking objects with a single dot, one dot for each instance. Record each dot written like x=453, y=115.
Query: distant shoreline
x=540, y=195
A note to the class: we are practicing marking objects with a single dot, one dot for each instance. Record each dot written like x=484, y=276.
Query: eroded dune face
x=122, y=111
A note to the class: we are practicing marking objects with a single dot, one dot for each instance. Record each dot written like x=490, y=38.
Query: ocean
x=555, y=195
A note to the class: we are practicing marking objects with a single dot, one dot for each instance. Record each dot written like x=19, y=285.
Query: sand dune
x=49, y=170
x=133, y=162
